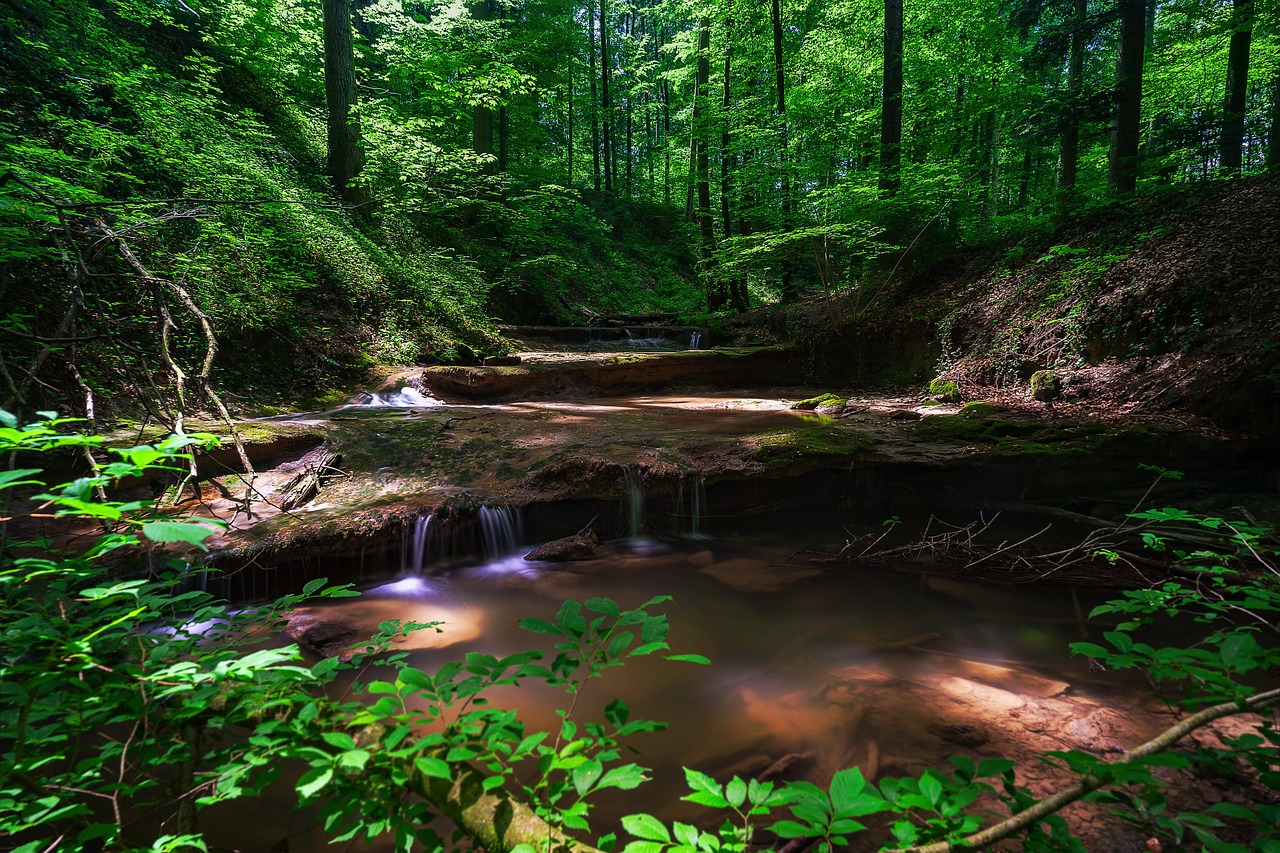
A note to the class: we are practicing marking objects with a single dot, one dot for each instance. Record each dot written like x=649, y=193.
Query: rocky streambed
x=760, y=513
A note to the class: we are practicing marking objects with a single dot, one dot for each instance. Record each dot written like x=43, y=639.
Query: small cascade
x=695, y=340
x=652, y=340
x=502, y=530
x=406, y=398
x=633, y=479
x=413, y=549
x=691, y=502
x=449, y=535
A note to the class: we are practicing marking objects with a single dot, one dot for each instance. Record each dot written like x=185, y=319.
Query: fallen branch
x=1038, y=812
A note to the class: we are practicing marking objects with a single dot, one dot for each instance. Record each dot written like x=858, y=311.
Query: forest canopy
x=411, y=172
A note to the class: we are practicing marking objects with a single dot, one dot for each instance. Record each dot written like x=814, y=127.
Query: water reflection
x=812, y=671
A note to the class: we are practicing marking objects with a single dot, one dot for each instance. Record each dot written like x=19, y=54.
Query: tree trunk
x=716, y=294
x=605, y=103
x=1122, y=166
x=1232, y=151
x=346, y=157
x=595, y=113
x=630, y=142
x=789, y=290
x=737, y=292
x=1273, y=132
x=891, y=101
x=482, y=115
x=1069, y=152
x=569, y=182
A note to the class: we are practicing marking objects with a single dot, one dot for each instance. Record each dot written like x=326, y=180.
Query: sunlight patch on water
x=414, y=586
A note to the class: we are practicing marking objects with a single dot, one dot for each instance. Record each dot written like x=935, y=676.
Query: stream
x=807, y=675
x=814, y=668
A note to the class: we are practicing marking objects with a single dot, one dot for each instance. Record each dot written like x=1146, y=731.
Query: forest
x=890, y=389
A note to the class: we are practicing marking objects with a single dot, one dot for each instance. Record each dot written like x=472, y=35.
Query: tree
x=1122, y=164
x=891, y=100
x=1233, y=113
x=346, y=155
x=1069, y=150
x=788, y=287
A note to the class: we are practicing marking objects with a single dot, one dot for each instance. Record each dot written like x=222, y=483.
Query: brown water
x=803, y=675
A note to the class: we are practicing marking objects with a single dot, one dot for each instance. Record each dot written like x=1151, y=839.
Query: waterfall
x=502, y=530
x=449, y=535
x=691, y=501
x=634, y=481
x=695, y=339
x=414, y=545
x=698, y=509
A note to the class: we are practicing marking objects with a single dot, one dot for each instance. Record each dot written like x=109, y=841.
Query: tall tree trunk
x=891, y=100
x=1273, y=131
x=503, y=138
x=789, y=290
x=716, y=295
x=569, y=182
x=737, y=287
x=650, y=142
x=346, y=156
x=595, y=113
x=666, y=143
x=605, y=103
x=482, y=115
x=1232, y=151
x=1069, y=152
x=1122, y=166
x=630, y=142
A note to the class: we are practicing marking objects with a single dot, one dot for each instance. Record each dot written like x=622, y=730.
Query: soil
x=1160, y=306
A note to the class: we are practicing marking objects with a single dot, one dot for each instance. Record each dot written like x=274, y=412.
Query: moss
x=978, y=409
x=945, y=390
x=822, y=400
x=1046, y=385
x=780, y=448
x=1017, y=436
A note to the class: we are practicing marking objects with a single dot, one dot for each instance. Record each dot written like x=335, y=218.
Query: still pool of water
x=812, y=670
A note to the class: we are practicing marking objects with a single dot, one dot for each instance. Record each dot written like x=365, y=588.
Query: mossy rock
x=945, y=390
x=978, y=409
x=820, y=402
x=1046, y=386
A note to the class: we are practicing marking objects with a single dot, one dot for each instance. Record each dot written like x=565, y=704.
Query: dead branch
x=1038, y=812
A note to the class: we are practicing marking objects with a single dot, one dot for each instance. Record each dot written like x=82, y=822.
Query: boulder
x=502, y=361
x=1046, y=386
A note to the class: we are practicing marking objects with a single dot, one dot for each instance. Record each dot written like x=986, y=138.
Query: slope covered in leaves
x=196, y=138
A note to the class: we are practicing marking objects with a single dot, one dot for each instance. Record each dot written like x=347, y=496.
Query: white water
x=635, y=499
x=495, y=532
x=695, y=340
x=405, y=398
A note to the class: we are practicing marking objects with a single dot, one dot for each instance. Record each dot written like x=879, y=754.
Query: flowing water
x=813, y=671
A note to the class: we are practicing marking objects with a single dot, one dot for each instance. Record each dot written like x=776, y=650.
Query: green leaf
x=314, y=780
x=691, y=659
x=735, y=793
x=791, y=829
x=585, y=776
x=177, y=531
x=341, y=740
x=434, y=767
x=627, y=778
x=354, y=759
x=701, y=783
x=647, y=827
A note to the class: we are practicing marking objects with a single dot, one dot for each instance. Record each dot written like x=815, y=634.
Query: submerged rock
x=565, y=549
